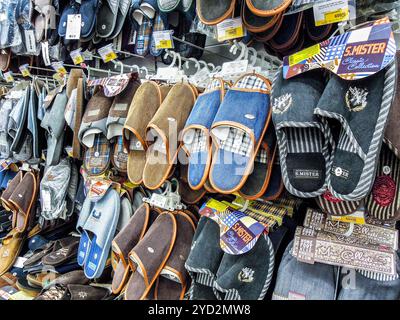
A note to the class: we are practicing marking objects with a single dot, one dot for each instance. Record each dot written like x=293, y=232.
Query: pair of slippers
x=151, y=132
x=150, y=253
x=330, y=136
x=97, y=224
x=218, y=275
x=219, y=120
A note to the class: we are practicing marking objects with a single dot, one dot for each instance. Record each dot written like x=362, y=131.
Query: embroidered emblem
x=246, y=275
x=150, y=249
x=329, y=197
x=82, y=294
x=384, y=191
x=6, y=253
x=282, y=103
x=356, y=99
x=96, y=214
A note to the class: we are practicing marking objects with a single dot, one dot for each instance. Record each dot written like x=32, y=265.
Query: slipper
x=173, y=279
x=196, y=134
x=160, y=23
x=126, y=240
x=12, y=185
x=212, y=12
x=362, y=109
x=88, y=11
x=289, y=33
x=74, y=292
x=316, y=34
x=73, y=277
x=64, y=254
x=204, y=259
x=267, y=8
x=188, y=195
x=143, y=37
x=275, y=186
x=392, y=134
x=271, y=32
x=303, y=281
x=303, y=139
x=258, y=181
x=255, y=23
x=23, y=201
x=149, y=8
x=148, y=257
x=8, y=279
x=168, y=5
x=119, y=109
x=71, y=8
x=107, y=18
x=45, y=20
x=85, y=241
x=100, y=228
x=383, y=203
x=9, y=250
x=247, y=276
x=5, y=56
x=40, y=280
x=237, y=132
x=333, y=206
x=97, y=158
x=144, y=106
x=162, y=130
x=123, y=9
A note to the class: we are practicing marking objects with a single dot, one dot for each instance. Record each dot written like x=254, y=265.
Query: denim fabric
x=24, y=13
x=197, y=166
x=88, y=10
x=236, y=106
x=301, y=281
x=10, y=35
x=205, y=109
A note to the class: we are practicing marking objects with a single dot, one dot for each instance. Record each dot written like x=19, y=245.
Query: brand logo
x=246, y=275
x=96, y=214
x=282, y=103
x=356, y=99
x=307, y=174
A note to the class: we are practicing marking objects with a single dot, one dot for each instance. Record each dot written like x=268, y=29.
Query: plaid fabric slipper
x=143, y=37
x=97, y=157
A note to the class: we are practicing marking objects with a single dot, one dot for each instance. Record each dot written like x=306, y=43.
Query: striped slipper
x=331, y=205
x=383, y=203
x=303, y=139
x=361, y=107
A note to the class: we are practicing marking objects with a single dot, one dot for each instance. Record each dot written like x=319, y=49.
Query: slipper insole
x=306, y=165
x=168, y=289
x=96, y=260
x=83, y=249
x=136, y=287
x=106, y=21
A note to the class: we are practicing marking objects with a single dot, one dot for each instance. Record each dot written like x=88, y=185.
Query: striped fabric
x=389, y=169
x=378, y=276
x=252, y=82
x=238, y=142
x=304, y=140
x=337, y=207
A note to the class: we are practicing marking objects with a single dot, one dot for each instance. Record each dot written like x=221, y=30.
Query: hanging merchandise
x=199, y=150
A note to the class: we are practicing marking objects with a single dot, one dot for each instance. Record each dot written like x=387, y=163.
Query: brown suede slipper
x=73, y=77
x=23, y=200
x=164, y=130
x=80, y=104
x=126, y=240
x=5, y=197
x=147, y=259
x=144, y=106
x=5, y=56
x=173, y=279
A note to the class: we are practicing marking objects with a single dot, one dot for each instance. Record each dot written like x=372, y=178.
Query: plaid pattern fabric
x=252, y=82
x=143, y=38
x=232, y=217
x=262, y=156
x=120, y=155
x=213, y=85
x=269, y=209
x=199, y=143
x=97, y=158
x=158, y=25
x=238, y=142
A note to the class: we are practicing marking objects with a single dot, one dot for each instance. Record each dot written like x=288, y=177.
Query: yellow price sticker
x=78, y=59
x=304, y=54
x=216, y=205
x=334, y=17
x=110, y=56
x=230, y=29
x=8, y=76
x=164, y=44
x=25, y=73
x=232, y=33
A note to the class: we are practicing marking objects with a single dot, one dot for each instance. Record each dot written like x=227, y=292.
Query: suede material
x=167, y=289
x=90, y=293
x=319, y=33
x=268, y=5
x=257, y=23
x=72, y=83
x=309, y=281
x=10, y=249
x=286, y=37
x=361, y=123
x=107, y=18
x=197, y=167
x=80, y=104
x=212, y=10
x=56, y=259
x=188, y=195
x=392, y=134
x=232, y=110
x=275, y=186
x=201, y=292
x=271, y=32
x=12, y=185
x=135, y=166
x=232, y=266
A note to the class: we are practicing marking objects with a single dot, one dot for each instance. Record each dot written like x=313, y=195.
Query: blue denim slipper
x=237, y=132
x=71, y=8
x=88, y=11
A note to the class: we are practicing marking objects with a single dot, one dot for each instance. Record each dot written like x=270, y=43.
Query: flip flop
x=162, y=154
x=196, y=134
x=258, y=181
x=212, y=12
x=362, y=109
x=126, y=240
x=107, y=18
x=383, y=203
x=149, y=256
x=173, y=279
x=144, y=106
x=267, y=8
x=100, y=227
x=303, y=139
x=237, y=132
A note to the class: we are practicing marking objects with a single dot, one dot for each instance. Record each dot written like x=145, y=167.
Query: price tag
x=46, y=200
x=230, y=29
x=357, y=217
x=158, y=200
x=76, y=56
x=25, y=70
x=30, y=41
x=59, y=67
x=73, y=27
x=107, y=53
x=329, y=12
x=304, y=54
x=8, y=76
x=45, y=53
x=234, y=67
x=163, y=39
x=59, y=78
